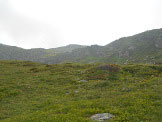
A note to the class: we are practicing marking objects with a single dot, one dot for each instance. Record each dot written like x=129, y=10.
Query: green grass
x=38, y=92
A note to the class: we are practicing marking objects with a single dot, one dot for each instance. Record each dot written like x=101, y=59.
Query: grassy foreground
x=74, y=92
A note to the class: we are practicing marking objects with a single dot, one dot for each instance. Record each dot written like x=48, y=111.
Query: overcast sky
x=53, y=23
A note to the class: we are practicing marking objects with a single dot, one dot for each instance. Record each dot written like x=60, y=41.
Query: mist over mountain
x=145, y=47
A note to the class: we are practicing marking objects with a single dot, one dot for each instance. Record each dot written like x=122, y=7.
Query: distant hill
x=145, y=47
x=64, y=49
x=35, y=54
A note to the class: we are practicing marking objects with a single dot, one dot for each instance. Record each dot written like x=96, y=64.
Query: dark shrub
x=109, y=67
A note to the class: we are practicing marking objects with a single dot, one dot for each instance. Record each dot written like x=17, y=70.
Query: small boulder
x=82, y=81
x=102, y=117
x=76, y=91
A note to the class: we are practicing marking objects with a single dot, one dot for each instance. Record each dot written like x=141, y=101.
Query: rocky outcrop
x=102, y=117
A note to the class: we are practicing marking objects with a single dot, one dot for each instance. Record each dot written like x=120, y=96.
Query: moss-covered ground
x=33, y=92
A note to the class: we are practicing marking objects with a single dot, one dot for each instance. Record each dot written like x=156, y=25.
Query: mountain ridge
x=145, y=47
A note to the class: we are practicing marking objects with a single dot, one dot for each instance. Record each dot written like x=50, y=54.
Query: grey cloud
x=26, y=32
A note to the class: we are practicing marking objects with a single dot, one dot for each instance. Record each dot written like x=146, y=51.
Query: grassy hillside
x=35, y=54
x=144, y=48
x=73, y=92
x=64, y=49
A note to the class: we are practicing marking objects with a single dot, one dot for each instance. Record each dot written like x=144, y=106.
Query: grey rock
x=158, y=43
x=76, y=91
x=125, y=89
x=123, y=54
x=102, y=117
x=82, y=81
x=131, y=48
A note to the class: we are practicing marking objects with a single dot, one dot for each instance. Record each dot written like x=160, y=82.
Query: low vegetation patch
x=75, y=92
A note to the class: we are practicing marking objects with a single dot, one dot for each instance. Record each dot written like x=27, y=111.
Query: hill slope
x=36, y=54
x=145, y=47
x=74, y=92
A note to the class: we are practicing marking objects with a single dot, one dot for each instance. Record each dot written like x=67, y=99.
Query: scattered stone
x=158, y=43
x=125, y=89
x=131, y=48
x=76, y=91
x=82, y=81
x=67, y=93
x=102, y=116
